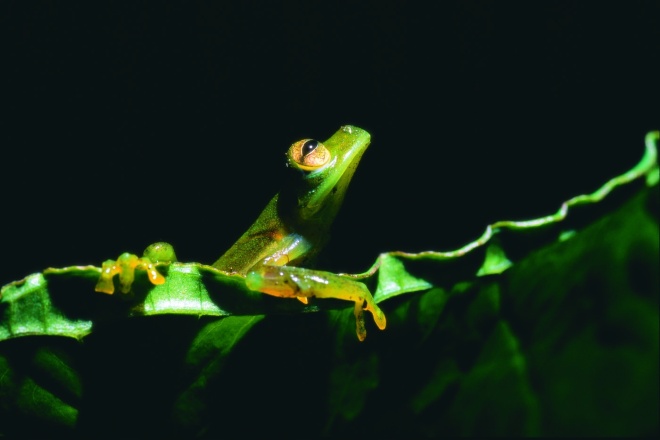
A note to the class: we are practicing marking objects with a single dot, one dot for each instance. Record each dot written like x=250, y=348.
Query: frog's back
x=257, y=243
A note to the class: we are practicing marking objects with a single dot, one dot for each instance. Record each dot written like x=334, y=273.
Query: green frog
x=293, y=227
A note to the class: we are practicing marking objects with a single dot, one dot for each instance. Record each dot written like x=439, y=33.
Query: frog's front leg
x=297, y=282
x=126, y=265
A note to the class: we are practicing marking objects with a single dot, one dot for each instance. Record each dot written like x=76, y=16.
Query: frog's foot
x=369, y=305
x=301, y=283
x=125, y=267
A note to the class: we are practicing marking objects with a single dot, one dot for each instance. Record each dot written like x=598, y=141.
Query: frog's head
x=320, y=172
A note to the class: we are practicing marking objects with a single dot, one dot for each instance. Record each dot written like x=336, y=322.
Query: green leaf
x=394, y=279
x=564, y=342
x=40, y=389
x=206, y=358
x=28, y=310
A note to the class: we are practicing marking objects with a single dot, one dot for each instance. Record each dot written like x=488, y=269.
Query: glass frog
x=293, y=227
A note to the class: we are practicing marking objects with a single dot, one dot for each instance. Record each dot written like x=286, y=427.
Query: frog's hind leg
x=367, y=303
x=301, y=283
x=370, y=305
x=360, y=327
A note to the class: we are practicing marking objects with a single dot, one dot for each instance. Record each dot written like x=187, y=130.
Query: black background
x=134, y=123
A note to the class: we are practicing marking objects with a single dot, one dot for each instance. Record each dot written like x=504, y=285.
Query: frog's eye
x=309, y=154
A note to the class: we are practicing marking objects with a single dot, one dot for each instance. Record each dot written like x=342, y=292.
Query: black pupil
x=309, y=146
